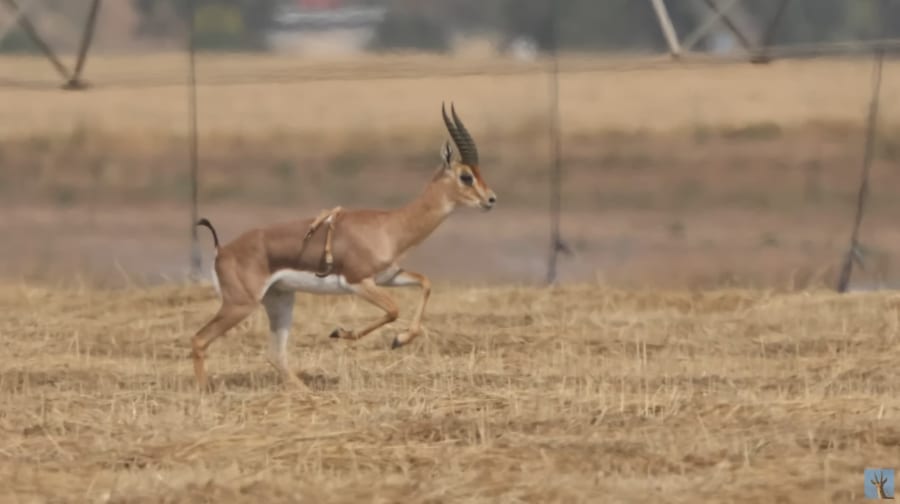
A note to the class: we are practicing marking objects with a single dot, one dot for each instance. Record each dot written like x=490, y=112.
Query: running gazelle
x=361, y=250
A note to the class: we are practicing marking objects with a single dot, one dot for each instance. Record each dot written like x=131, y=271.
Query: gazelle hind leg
x=237, y=304
x=228, y=316
x=411, y=279
x=368, y=290
x=280, y=311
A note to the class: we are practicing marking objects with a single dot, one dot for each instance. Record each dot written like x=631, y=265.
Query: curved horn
x=468, y=150
x=461, y=137
x=451, y=128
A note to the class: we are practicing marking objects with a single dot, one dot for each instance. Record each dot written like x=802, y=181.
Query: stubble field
x=575, y=394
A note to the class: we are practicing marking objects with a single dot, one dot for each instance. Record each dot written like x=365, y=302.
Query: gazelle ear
x=446, y=153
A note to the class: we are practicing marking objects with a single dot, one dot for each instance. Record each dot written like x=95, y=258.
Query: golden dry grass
x=578, y=394
x=497, y=96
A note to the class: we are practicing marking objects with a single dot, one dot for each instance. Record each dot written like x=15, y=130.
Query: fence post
x=195, y=263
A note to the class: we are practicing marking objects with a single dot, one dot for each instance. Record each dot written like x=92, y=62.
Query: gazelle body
x=268, y=265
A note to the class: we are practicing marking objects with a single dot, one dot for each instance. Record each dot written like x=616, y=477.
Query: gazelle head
x=464, y=176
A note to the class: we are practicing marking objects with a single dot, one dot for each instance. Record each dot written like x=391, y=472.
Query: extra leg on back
x=280, y=311
x=325, y=216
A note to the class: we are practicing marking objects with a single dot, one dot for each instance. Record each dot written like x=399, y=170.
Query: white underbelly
x=307, y=281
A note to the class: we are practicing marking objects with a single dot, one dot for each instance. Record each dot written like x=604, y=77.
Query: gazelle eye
x=466, y=179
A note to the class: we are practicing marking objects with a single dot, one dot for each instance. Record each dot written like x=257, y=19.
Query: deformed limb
x=324, y=217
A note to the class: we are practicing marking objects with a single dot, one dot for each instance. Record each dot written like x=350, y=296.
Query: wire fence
x=664, y=169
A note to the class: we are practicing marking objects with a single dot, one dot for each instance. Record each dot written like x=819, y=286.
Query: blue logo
x=879, y=483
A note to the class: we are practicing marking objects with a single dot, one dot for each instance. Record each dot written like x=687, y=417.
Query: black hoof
x=335, y=334
x=396, y=344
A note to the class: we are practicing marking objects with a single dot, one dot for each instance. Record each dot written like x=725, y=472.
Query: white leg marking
x=215, y=281
x=401, y=280
x=388, y=277
x=280, y=310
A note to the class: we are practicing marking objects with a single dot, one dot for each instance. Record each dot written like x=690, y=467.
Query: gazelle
x=268, y=265
x=880, y=481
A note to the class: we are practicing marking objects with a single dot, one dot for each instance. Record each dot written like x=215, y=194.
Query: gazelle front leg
x=412, y=279
x=280, y=311
x=368, y=290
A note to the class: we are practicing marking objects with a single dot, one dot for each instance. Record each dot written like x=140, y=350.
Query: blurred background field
x=676, y=174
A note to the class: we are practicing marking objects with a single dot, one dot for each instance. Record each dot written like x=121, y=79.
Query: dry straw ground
x=577, y=394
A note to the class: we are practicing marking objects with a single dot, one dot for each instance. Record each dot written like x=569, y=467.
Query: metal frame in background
x=195, y=259
x=718, y=14
x=854, y=254
x=557, y=244
x=73, y=80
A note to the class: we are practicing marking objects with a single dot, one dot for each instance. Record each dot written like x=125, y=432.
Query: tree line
x=569, y=24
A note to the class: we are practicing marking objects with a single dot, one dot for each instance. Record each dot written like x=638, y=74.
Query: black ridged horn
x=461, y=137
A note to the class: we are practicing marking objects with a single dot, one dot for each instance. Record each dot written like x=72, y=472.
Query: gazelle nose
x=492, y=199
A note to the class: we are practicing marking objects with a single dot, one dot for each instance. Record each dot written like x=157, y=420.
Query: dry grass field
x=575, y=394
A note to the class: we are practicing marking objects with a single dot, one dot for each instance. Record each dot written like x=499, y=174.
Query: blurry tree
x=411, y=24
x=17, y=41
x=219, y=24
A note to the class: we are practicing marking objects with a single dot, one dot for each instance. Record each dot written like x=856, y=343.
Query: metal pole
x=691, y=40
x=853, y=253
x=86, y=37
x=763, y=56
x=36, y=38
x=556, y=243
x=714, y=6
x=668, y=29
x=192, y=110
x=14, y=20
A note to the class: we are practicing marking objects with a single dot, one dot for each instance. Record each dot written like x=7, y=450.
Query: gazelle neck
x=415, y=221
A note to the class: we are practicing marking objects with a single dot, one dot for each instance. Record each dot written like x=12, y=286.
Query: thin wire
x=556, y=153
x=192, y=105
x=853, y=253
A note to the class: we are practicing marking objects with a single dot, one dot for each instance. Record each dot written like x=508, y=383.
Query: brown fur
x=365, y=243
